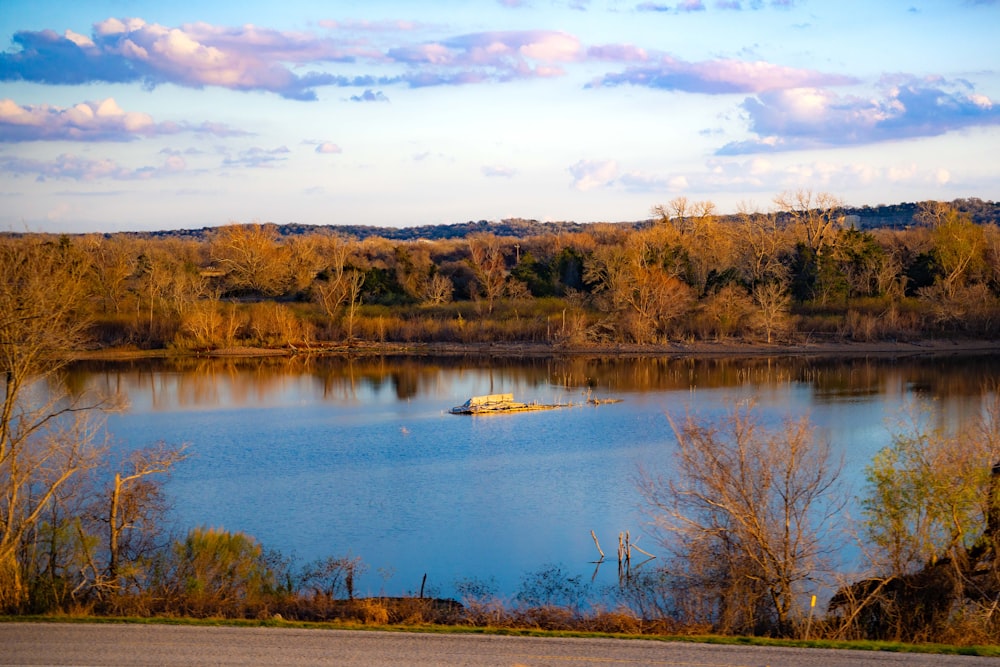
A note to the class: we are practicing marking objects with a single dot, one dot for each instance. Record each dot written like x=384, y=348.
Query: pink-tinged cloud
x=193, y=55
x=74, y=167
x=249, y=58
x=909, y=108
x=89, y=121
x=489, y=56
x=622, y=53
x=721, y=76
x=691, y=6
x=329, y=148
x=198, y=55
x=592, y=174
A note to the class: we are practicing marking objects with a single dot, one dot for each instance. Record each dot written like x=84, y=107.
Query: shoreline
x=700, y=349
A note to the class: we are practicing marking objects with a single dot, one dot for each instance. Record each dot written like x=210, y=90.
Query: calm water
x=331, y=457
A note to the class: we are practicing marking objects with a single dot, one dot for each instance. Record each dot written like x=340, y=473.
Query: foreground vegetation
x=750, y=516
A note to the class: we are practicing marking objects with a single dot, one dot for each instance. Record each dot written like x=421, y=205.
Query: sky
x=119, y=115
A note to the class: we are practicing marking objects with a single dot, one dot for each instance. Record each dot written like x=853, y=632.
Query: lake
x=332, y=456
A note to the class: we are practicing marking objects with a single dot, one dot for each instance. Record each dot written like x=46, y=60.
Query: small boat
x=495, y=404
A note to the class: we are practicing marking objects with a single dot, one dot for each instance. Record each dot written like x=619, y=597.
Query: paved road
x=165, y=645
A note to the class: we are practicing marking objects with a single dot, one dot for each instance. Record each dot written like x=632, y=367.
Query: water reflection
x=325, y=456
x=215, y=382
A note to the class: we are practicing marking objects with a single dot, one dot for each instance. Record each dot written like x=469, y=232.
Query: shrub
x=217, y=573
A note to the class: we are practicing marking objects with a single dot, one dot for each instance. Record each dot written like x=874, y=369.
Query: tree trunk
x=113, y=530
x=12, y=593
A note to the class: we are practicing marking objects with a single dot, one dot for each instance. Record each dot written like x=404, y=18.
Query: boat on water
x=497, y=404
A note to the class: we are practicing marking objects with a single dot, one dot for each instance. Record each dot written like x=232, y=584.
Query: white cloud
x=102, y=120
x=591, y=174
x=328, y=148
x=807, y=118
x=79, y=168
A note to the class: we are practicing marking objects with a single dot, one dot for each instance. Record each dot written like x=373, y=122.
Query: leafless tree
x=252, y=258
x=746, y=514
x=45, y=437
x=487, y=260
x=815, y=218
x=773, y=304
x=128, y=501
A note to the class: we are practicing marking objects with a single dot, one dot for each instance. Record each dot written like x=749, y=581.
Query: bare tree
x=815, y=218
x=340, y=292
x=745, y=514
x=128, y=502
x=341, y=295
x=773, y=305
x=489, y=264
x=356, y=280
x=438, y=290
x=252, y=258
x=45, y=438
x=759, y=243
x=113, y=261
x=632, y=284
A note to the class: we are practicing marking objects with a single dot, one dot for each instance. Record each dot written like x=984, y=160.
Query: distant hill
x=895, y=216
x=900, y=216
x=515, y=227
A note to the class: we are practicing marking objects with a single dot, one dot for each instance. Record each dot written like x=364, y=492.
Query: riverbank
x=841, y=348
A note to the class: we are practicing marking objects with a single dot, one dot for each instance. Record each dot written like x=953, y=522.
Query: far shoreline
x=678, y=350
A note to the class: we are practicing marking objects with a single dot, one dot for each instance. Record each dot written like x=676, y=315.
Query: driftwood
x=625, y=548
x=598, y=545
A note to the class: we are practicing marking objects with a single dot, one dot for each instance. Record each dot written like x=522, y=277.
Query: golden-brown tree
x=252, y=258
x=486, y=257
x=815, y=219
x=45, y=437
x=113, y=262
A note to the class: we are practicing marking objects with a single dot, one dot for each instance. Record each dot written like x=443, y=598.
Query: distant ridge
x=896, y=216
x=515, y=227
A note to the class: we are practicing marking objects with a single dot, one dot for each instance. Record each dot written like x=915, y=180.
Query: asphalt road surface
x=166, y=645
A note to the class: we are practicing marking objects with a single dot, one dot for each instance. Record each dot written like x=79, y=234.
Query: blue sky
x=120, y=115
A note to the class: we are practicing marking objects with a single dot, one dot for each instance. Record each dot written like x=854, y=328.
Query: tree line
x=803, y=269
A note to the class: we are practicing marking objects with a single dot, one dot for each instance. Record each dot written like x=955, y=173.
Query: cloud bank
x=74, y=167
x=251, y=58
x=785, y=108
x=805, y=118
x=90, y=121
x=722, y=76
x=194, y=55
